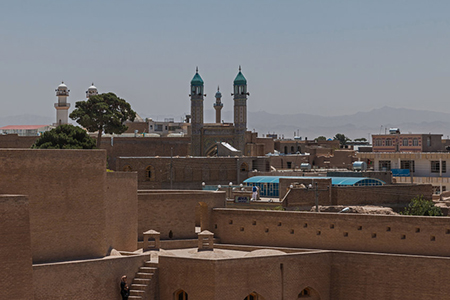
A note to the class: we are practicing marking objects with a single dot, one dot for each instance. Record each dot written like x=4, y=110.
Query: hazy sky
x=317, y=57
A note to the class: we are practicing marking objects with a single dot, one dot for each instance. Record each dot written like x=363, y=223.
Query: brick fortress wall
x=212, y=279
x=143, y=146
x=86, y=279
x=121, y=210
x=380, y=195
x=352, y=232
x=398, y=194
x=15, y=248
x=66, y=189
x=15, y=141
x=187, y=172
x=175, y=211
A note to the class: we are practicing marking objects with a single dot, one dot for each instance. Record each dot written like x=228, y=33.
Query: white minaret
x=92, y=91
x=62, y=106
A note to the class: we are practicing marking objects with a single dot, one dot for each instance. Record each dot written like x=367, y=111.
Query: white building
x=25, y=130
x=425, y=167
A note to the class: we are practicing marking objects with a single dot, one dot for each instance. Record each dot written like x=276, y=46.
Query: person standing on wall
x=255, y=192
x=124, y=290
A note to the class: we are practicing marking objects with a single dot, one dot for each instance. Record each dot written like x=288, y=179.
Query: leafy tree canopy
x=65, y=137
x=320, y=138
x=421, y=207
x=341, y=138
x=103, y=113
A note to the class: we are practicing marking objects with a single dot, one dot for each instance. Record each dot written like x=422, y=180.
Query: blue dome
x=197, y=80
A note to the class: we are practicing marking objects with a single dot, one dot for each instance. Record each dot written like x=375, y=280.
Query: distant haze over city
x=358, y=125
x=321, y=58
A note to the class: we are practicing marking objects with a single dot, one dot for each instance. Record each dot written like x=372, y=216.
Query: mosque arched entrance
x=254, y=296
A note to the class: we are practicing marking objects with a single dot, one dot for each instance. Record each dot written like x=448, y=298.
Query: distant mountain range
x=357, y=125
x=26, y=120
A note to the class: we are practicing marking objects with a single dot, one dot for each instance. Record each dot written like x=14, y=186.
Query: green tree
x=341, y=138
x=320, y=138
x=421, y=207
x=65, y=137
x=103, y=113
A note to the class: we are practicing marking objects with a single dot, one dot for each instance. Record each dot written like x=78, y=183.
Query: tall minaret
x=92, y=91
x=240, y=110
x=62, y=107
x=218, y=105
x=196, y=114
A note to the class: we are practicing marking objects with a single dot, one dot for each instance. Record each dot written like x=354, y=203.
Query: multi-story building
x=167, y=127
x=398, y=142
x=205, y=135
x=420, y=164
x=25, y=130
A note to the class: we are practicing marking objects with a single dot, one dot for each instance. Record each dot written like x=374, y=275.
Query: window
x=306, y=293
x=181, y=295
x=405, y=142
x=415, y=142
x=289, y=164
x=252, y=296
x=149, y=173
x=378, y=142
x=435, y=166
x=384, y=165
x=408, y=165
x=388, y=142
x=428, y=141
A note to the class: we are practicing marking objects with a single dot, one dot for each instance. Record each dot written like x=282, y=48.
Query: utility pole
x=316, y=192
x=238, y=171
x=317, y=198
x=411, y=171
x=171, y=167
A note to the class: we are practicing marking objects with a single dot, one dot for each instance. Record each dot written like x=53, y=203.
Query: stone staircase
x=143, y=284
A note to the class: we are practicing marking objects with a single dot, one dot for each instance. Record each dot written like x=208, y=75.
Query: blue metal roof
x=336, y=181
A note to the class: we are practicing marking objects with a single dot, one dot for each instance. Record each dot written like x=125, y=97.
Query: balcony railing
x=62, y=105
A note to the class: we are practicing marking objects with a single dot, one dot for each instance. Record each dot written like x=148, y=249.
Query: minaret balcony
x=62, y=105
x=218, y=104
x=61, y=93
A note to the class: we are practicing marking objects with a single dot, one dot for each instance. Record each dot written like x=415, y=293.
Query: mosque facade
x=206, y=135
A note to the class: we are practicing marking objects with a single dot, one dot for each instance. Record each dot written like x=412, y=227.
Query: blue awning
x=335, y=181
